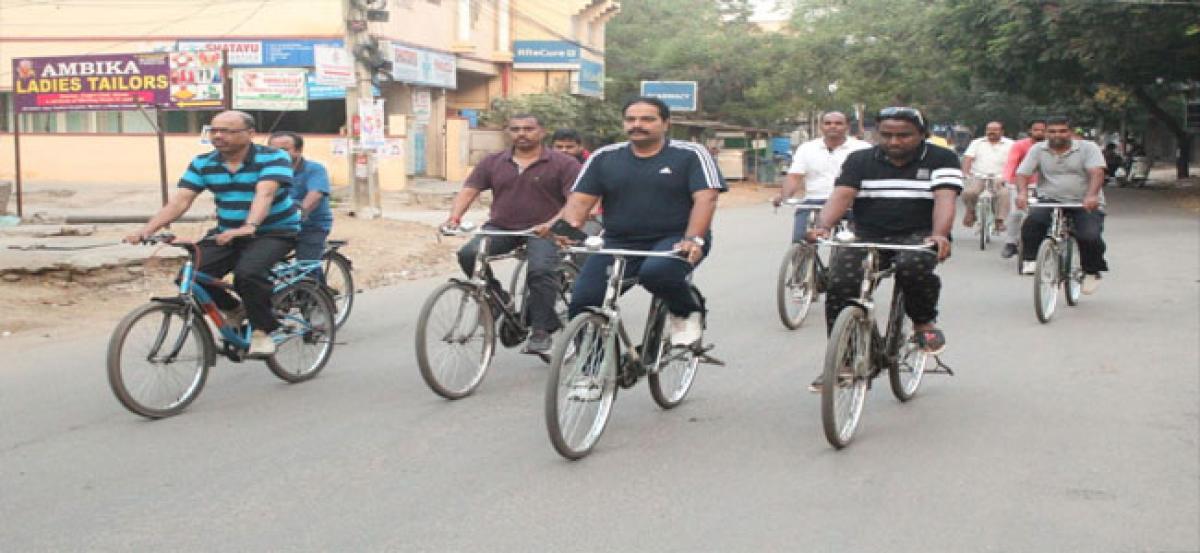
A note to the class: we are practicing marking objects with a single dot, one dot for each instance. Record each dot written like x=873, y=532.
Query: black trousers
x=914, y=276
x=1089, y=228
x=249, y=258
x=540, y=272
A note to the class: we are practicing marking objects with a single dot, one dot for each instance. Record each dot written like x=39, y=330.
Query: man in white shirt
x=815, y=166
x=986, y=156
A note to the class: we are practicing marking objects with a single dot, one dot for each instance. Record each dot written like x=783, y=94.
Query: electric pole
x=364, y=177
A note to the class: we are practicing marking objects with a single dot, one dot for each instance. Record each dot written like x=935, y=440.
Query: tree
x=1083, y=51
x=599, y=122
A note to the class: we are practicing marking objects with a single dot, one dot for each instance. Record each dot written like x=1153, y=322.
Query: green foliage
x=596, y=120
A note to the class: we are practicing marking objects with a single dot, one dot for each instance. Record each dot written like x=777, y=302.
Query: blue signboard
x=678, y=95
x=545, y=54
x=262, y=53
x=590, y=80
x=326, y=92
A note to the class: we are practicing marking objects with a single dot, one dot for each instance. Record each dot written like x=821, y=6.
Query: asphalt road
x=1081, y=435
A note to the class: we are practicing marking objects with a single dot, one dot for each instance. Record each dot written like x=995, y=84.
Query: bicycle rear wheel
x=518, y=289
x=847, y=370
x=1046, y=281
x=908, y=365
x=305, y=337
x=671, y=371
x=339, y=283
x=796, y=288
x=456, y=338
x=1073, y=279
x=582, y=386
x=158, y=359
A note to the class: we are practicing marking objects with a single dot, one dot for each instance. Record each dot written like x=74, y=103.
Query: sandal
x=932, y=341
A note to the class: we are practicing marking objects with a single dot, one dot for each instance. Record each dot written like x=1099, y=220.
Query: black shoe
x=1008, y=251
x=540, y=342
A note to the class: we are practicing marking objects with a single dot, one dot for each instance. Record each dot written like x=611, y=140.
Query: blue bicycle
x=160, y=353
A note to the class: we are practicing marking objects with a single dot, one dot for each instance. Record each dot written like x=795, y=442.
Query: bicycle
x=985, y=210
x=180, y=348
x=1058, y=263
x=802, y=274
x=457, y=326
x=589, y=356
x=336, y=277
x=857, y=352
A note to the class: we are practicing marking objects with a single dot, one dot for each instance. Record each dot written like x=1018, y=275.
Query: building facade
x=443, y=63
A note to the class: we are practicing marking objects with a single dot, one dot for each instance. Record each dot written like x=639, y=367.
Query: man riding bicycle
x=986, y=156
x=529, y=184
x=1069, y=171
x=1037, y=133
x=310, y=190
x=659, y=194
x=816, y=165
x=903, y=191
x=257, y=220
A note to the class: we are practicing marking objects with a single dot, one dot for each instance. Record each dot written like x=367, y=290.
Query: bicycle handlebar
x=1052, y=204
x=672, y=254
x=480, y=231
x=926, y=248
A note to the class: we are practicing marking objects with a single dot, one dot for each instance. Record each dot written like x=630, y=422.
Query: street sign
x=678, y=95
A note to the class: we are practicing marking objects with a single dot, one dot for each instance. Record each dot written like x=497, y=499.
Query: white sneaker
x=585, y=388
x=261, y=344
x=1090, y=284
x=1028, y=267
x=688, y=330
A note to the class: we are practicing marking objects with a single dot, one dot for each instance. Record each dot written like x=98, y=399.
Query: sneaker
x=969, y=220
x=1008, y=251
x=234, y=317
x=261, y=344
x=688, y=330
x=1091, y=282
x=1028, y=267
x=817, y=383
x=539, y=342
x=584, y=388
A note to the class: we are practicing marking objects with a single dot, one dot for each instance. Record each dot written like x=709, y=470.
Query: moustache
x=632, y=131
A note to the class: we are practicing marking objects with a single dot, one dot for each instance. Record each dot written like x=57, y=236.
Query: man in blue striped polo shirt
x=257, y=220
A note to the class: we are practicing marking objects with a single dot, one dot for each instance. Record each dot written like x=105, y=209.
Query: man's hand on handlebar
x=694, y=251
x=229, y=235
x=943, y=246
x=816, y=233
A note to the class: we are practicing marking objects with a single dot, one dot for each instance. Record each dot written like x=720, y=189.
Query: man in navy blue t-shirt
x=659, y=194
x=310, y=191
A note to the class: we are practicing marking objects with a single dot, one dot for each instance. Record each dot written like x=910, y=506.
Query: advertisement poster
x=417, y=66
x=422, y=101
x=270, y=89
x=393, y=149
x=103, y=82
x=196, y=81
x=339, y=147
x=241, y=52
x=333, y=66
x=370, y=113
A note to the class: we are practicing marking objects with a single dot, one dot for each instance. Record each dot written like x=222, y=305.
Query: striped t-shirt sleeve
x=948, y=176
x=276, y=166
x=704, y=174
x=191, y=178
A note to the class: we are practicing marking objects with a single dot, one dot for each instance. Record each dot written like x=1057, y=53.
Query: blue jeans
x=665, y=278
x=310, y=246
x=1089, y=230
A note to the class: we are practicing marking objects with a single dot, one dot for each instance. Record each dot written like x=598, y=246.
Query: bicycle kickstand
x=941, y=367
x=701, y=353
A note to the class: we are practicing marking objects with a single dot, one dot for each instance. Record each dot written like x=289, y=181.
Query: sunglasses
x=908, y=114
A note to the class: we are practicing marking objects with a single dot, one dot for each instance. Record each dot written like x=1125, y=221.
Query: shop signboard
x=117, y=82
x=270, y=89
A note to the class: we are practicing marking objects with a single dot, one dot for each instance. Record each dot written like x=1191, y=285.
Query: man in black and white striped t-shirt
x=903, y=192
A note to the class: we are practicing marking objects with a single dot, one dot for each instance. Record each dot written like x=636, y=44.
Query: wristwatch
x=697, y=240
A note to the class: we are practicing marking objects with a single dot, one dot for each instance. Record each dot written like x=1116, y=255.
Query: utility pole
x=364, y=176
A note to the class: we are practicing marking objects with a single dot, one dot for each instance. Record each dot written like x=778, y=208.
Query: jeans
x=914, y=276
x=541, y=272
x=665, y=278
x=310, y=246
x=250, y=259
x=1089, y=227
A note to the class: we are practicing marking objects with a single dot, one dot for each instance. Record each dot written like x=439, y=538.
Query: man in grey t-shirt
x=1068, y=171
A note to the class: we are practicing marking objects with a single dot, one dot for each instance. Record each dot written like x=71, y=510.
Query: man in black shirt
x=659, y=194
x=904, y=192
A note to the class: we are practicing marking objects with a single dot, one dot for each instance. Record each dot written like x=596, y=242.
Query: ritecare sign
x=678, y=95
x=546, y=54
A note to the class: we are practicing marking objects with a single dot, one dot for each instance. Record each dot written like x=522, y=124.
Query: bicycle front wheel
x=1073, y=269
x=456, y=338
x=158, y=359
x=304, y=339
x=847, y=371
x=339, y=283
x=672, y=371
x=1045, y=281
x=796, y=288
x=582, y=386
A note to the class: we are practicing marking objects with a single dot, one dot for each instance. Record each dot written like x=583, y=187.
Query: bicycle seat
x=337, y=243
